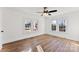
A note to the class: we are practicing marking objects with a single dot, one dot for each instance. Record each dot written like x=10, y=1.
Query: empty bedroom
x=39, y=29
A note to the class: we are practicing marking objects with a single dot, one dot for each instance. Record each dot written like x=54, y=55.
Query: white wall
x=0, y=28
x=13, y=25
x=72, y=30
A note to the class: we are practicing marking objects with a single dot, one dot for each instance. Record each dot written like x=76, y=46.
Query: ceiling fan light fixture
x=45, y=14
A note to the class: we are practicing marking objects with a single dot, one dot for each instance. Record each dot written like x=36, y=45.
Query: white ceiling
x=34, y=10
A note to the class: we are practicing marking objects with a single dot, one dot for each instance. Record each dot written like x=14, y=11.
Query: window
x=58, y=25
x=62, y=26
x=53, y=26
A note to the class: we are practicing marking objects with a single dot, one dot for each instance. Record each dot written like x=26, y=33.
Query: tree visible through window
x=62, y=26
x=53, y=26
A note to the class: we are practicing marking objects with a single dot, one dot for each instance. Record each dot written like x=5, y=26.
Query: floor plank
x=49, y=44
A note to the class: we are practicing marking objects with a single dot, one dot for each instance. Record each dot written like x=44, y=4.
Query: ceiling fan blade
x=52, y=11
x=39, y=12
x=49, y=14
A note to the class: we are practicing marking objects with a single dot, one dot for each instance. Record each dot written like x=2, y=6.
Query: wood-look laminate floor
x=49, y=44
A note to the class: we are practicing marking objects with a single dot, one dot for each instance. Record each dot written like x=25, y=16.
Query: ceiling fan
x=46, y=11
